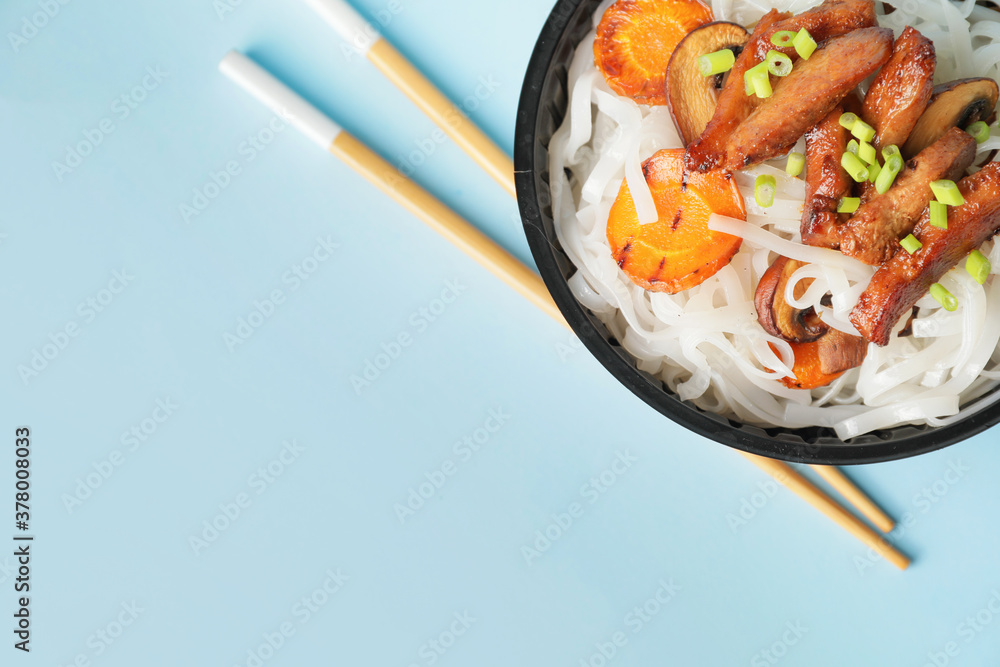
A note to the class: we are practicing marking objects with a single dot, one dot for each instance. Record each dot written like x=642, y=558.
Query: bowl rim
x=893, y=444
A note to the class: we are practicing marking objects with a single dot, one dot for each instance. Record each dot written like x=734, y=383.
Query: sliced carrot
x=807, y=368
x=635, y=40
x=678, y=251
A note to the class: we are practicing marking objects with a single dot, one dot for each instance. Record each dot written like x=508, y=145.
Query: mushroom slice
x=903, y=280
x=826, y=181
x=839, y=352
x=692, y=97
x=957, y=104
x=902, y=89
x=806, y=96
x=830, y=19
x=777, y=316
x=873, y=232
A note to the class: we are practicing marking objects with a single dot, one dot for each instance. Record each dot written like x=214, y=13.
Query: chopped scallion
x=778, y=63
x=947, y=192
x=911, y=244
x=978, y=267
x=857, y=169
x=711, y=64
x=887, y=176
x=874, y=171
x=848, y=120
x=939, y=215
x=763, y=190
x=796, y=163
x=944, y=297
x=980, y=131
x=804, y=44
x=867, y=153
x=758, y=81
x=853, y=146
x=783, y=38
x=863, y=131
x=889, y=151
x=848, y=204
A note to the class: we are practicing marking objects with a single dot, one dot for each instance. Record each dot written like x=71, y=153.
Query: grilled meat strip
x=873, y=232
x=826, y=181
x=901, y=91
x=900, y=282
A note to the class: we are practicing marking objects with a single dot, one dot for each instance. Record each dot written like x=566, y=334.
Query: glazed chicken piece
x=806, y=96
x=831, y=19
x=904, y=279
x=826, y=181
x=873, y=232
x=902, y=90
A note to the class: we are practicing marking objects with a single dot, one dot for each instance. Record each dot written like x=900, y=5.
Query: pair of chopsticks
x=330, y=136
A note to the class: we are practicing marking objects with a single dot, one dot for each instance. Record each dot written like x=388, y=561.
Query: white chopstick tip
x=279, y=98
x=348, y=23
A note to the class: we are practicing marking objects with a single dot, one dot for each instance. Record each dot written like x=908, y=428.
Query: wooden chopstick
x=852, y=494
x=262, y=85
x=364, y=38
x=787, y=475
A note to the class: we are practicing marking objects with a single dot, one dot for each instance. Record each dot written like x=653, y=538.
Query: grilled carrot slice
x=678, y=251
x=808, y=367
x=635, y=40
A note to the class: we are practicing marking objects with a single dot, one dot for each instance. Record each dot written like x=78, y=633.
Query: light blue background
x=669, y=517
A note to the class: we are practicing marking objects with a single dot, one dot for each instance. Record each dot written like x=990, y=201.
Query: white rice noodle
x=705, y=343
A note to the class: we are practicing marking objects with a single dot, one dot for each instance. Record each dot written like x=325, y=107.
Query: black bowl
x=541, y=111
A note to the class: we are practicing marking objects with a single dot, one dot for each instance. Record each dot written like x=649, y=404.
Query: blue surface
x=455, y=583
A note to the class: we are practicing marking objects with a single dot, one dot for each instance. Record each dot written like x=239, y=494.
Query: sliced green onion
x=804, y=44
x=711, y=64
x=911, y=244
x=887, y=176
x=939, y=215
x=863, y=131
x=778, y=63
x=758, y=81
x=867, y=153
x=857, y=169
x=848, y=204
x=848, y=120
x=853, y=146
x=978, y=267
x=763, y=190
x=783, y=38
x=944, y=297
x=796, y=163
x=874, y=171
x=889, y=151
x=980, y=131
x=947, y=192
